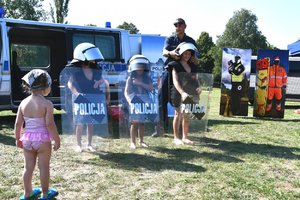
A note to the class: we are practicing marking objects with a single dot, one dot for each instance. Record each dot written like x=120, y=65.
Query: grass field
x=238, y=158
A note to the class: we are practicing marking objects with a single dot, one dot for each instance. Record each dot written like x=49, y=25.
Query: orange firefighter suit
x=277, y=81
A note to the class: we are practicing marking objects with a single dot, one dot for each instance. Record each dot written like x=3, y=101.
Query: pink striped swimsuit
x=35, y=133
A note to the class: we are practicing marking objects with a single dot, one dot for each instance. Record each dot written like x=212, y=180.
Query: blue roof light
x=2, y=12
x=107, y=25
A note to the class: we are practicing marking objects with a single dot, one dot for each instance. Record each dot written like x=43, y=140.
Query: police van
x=293, y=82
x=27, y=45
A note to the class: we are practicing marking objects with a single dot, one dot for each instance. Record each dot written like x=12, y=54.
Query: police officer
x=171, y=53
x=236, y=70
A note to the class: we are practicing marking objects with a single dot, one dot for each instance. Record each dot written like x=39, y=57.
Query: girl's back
x=34, y=106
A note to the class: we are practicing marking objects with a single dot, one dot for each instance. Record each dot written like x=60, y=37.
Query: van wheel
x=14, y=110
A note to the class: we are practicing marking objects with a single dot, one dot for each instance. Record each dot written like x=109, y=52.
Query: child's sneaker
x=50, y=195
x=34, y=194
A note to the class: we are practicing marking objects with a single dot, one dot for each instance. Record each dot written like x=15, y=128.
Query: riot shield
x=195, y=107
x=84, y=96
x=139, y=103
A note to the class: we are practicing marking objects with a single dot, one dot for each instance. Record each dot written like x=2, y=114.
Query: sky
x=278, y=20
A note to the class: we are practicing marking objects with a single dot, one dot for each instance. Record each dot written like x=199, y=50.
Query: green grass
x=239, y=158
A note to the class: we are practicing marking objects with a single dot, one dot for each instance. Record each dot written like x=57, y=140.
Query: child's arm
x=146, y=86
x=198, y=89
x=107, y=91
x=178, y=86
x=51, y=126
x=97, y=84
x=126, y=91
x=18, y=127
x=72, y=88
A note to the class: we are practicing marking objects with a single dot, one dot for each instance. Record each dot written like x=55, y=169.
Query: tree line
x=241, y=30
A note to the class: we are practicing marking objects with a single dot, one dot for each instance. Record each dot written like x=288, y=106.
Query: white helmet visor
x=139, y=64
x=187, y=46
x=93, y=53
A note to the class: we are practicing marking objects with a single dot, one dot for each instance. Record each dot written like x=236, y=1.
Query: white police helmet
x=184, y=46
x=86, y=52
x=138, y=62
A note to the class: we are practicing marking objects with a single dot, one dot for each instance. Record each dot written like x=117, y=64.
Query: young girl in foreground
x=37, y=114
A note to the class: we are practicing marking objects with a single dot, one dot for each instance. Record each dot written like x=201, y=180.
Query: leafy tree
x=241, y=32
x=24, y=9
x=217, y=56
x=130, y=27
x=205, y=45
x=59, y=11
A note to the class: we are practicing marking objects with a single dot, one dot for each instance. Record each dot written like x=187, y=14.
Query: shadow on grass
x=7, y=122
x=6, y=127
x=7, y=139
x=186, y=154
x=236, y=147
x=275, y=119
x=212, y=122
x=133, y=161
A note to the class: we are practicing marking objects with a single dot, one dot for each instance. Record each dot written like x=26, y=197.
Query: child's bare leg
x=90, y=132
x=141, y=130
x=133, y=130
x=30, y=161
x=176, y=123
x=78, y=131
x=185, y=130
x=44, y=155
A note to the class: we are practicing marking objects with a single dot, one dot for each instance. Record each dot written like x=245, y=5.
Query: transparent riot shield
x=84, y=96
x=193, y=106
x=139, y=102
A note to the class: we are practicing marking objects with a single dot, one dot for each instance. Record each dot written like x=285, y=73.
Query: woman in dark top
x=183, y=83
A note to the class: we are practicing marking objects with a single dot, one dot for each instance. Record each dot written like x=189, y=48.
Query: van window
x=294, y=67
x=32, y=55
x=253, y=66
x=105, y=43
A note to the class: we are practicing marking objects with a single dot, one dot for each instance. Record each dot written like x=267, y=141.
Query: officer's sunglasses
x=178, y=24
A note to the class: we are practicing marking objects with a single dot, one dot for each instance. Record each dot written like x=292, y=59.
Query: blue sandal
x=34, y=194
x=50, y=195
